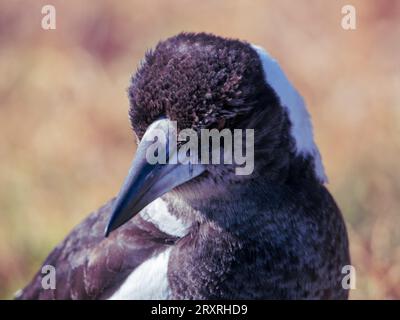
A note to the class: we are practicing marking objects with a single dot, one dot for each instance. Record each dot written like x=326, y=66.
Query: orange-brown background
x=65, y=139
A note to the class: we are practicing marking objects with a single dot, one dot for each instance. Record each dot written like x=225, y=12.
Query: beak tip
x=107, y=230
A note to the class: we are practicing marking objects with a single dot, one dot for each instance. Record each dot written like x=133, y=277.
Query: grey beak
x=146, y=182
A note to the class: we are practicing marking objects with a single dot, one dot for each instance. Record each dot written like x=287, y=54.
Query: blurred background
x=65, y=138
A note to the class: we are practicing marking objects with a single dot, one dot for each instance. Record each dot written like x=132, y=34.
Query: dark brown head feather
x=196, y=80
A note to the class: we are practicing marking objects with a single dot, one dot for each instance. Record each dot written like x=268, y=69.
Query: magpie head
x=205, y=83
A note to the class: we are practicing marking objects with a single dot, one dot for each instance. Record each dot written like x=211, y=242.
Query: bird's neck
x=241, y=205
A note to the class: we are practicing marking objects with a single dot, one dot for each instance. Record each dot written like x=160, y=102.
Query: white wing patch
x=301, y=131
x=148, y=281
x=157, y=213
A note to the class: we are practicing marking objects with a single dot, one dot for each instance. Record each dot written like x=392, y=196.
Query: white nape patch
x=290, y=99
x=148, y=281
x=157, y=213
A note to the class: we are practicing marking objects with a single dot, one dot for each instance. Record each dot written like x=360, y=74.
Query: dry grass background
x=65, y=139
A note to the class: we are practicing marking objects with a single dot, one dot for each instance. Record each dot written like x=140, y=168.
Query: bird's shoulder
x=89, y=266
